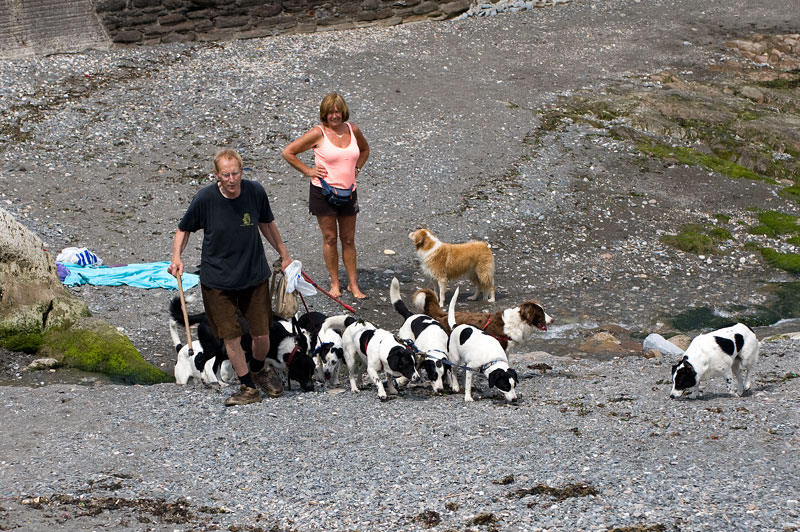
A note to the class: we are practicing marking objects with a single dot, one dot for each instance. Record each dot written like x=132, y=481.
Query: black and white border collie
x=427, y=335
x=481, y=352
x=728, y=352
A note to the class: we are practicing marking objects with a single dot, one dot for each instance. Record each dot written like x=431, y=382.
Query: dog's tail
x=427, y=303
x=336, y=323
x=176, y=312
x=176, y=338
x=451, y=311
x=397, y=303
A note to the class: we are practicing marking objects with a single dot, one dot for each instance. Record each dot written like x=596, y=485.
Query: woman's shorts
x=319, y=206
x=254, y=303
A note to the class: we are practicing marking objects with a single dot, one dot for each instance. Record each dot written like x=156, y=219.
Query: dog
x=480, y=352
x=385, y=354
x=727, y=352
x=427, y=335
x=509, y=326
x=326, y=346
x=298, y=366
x=200, y=367
x=444, y=262
x=288, y=353
x=356, y=334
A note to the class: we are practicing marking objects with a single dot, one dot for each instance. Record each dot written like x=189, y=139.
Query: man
x=234, y=272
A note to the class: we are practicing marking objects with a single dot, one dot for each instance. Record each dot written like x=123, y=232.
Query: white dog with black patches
x=729, y=352
x=210, y=370
x=355, y=335
x=328, y=353
x=480, y=352
x=428, y=336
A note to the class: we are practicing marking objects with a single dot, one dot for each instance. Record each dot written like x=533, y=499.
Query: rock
x=657, y=342
x=653, y=353
x=681, y=341
x=602, y=342
x=92, y=344
x=33, y=298
x=752, y=93
x=42, y=363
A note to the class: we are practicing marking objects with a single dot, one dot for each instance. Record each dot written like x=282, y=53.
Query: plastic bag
x=295, y=280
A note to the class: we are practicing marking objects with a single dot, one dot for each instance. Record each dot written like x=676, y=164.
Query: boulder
x=92, y=344
x=657, y=342
x=32, y=298
x=681, y=341
x=39, y=315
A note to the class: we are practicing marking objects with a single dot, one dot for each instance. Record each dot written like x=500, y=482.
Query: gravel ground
x=344, y=461
x=106, y=149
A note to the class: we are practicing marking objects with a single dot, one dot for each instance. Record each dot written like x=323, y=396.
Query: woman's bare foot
x=335, y=290
x=356, y=291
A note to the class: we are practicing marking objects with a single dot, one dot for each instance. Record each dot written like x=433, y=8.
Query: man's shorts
x=319, y=206
x=254, y=303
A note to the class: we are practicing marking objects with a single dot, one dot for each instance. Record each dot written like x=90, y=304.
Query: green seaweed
x=103, y=351
x=784, y=261
x=692, y=157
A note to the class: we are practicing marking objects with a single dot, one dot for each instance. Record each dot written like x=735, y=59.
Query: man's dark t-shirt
x=232, y=255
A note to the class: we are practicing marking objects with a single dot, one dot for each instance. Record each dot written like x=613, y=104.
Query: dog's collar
x=488, y=365
x=292, y=354
x=320, y=346
x=499, y=338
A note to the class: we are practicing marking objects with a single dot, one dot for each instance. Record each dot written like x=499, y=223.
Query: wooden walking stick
x=185, y=315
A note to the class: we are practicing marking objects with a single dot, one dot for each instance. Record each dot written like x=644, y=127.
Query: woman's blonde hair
x=331, y=100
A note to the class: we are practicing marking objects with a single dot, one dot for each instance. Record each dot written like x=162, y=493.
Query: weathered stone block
x=172, y=18
x=178, y=37
x=145, y=3
x=235, y=21
x=425, y=8
x=135, y=19
x=451, y=9
x=128, y=36
x=295, y=6
x=266, y=11
x=103, y=6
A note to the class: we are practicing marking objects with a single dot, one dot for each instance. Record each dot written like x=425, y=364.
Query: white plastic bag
x=79, y=256
x=295, y=281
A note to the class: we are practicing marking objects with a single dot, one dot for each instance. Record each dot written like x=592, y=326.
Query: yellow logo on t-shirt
x=246, y=222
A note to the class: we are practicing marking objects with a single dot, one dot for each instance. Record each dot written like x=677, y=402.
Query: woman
x=340, y=151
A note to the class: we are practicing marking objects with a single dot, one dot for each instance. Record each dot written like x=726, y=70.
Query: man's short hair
x=227, y=154
x=331, y=100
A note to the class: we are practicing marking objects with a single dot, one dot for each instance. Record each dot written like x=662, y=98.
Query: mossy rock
x=94, y=345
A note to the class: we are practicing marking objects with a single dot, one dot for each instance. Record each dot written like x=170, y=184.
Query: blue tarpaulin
x=144, y=275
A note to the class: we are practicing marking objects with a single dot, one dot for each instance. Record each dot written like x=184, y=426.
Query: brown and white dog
x=510, y=326
x=444, y=262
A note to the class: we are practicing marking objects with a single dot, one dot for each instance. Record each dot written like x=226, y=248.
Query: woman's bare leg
x=330, y=251
x=347, y=234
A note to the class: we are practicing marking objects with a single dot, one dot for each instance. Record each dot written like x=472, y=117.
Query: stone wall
x=164, y=21
x=34, y=27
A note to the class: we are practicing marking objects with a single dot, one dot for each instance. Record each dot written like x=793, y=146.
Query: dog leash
x=318, y=287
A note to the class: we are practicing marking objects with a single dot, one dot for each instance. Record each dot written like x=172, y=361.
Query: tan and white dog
x=444, y=262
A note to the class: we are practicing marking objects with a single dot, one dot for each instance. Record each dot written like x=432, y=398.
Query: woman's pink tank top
x=340, y=162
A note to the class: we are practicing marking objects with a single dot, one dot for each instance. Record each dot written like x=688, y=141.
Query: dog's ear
x=513, y=374
x=493, y=376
